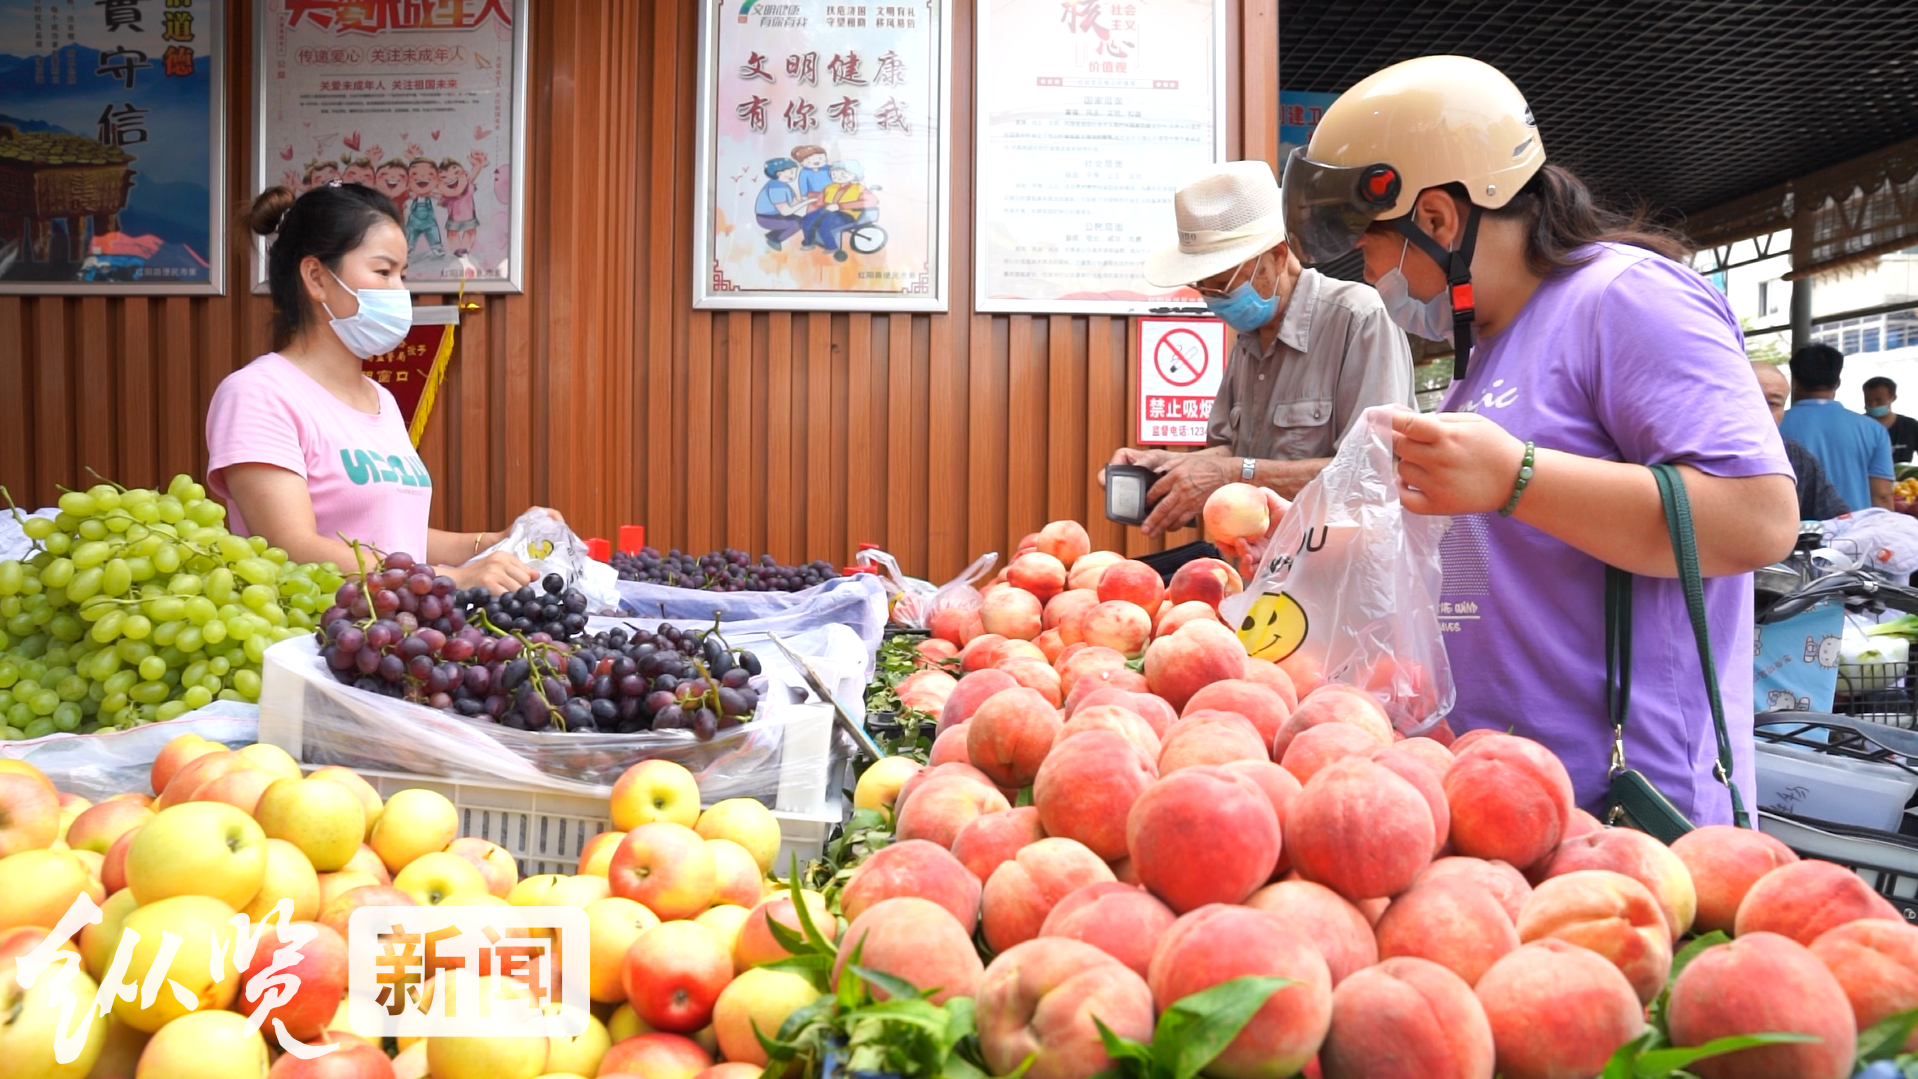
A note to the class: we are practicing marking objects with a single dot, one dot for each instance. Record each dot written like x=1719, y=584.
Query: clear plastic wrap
x=1349, y=581
x=961, y=593
x=857, y=602
x=784, y=755
x=99, y=766
x=548, y=546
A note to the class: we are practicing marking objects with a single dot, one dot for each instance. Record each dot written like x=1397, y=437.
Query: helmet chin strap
x=1458, y=277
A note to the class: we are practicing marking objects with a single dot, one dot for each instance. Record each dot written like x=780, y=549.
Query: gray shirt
x=1337, y=353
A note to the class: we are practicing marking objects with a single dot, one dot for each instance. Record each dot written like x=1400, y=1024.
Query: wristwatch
x=1246, y=468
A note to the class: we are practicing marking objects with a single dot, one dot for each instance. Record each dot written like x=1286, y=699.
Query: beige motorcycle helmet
x=1419, y=124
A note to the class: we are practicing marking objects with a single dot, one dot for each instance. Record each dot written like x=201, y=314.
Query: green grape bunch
x=136, y=606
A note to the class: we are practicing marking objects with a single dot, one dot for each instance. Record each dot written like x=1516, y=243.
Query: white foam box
x=1806, y=783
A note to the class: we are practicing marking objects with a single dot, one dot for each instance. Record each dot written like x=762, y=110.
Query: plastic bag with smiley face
x=1348, y=585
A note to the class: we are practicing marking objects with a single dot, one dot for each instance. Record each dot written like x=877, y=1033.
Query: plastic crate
x=1889, y=863
x=544, y=831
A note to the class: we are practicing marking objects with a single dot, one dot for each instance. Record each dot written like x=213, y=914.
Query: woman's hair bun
x=269, y=209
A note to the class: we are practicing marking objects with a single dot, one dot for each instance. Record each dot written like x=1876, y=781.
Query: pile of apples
x=1441, y=905
x=677, y=900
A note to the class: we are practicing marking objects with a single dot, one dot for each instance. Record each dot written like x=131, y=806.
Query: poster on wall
x=823, y=155
x=112, y=170
x=1299, y=114
x=423, y=102
x=1181, y=366
x=1091, y=112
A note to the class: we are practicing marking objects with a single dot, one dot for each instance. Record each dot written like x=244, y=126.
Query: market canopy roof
x=1683, y=106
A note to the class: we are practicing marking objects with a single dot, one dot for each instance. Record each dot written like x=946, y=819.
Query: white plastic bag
x=1348, y=584
x=99, y=766
x=899, y=587
x=1884, y=541
x=548, y=546
x=960, y=593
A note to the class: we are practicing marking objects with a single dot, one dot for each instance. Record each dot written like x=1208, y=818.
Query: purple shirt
x=1626, y=357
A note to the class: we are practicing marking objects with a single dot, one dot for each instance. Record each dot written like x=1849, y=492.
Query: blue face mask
x=1878, y=413
x=1243, y=308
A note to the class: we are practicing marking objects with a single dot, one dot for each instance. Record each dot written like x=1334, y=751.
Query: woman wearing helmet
x=1580, y=332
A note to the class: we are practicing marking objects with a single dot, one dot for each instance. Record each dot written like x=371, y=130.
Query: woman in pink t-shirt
x=304, y=448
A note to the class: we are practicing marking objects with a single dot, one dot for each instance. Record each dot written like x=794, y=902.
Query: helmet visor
x=1328, y=207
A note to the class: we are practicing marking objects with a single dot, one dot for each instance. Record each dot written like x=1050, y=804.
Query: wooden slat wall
x=601, y=392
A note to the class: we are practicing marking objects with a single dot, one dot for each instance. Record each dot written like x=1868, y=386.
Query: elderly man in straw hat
x=1312, y=352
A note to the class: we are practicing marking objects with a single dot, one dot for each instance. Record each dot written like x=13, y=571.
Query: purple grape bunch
x=523, y=658
x=725, y=570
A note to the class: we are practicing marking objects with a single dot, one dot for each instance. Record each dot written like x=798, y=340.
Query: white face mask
x=1430, y=319
x=381, y=323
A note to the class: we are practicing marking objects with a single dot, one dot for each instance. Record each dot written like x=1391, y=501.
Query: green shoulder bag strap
x=1632, y=800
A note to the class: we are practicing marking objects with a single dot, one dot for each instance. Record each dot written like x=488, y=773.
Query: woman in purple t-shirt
x=303, y=447
x=1581, y=332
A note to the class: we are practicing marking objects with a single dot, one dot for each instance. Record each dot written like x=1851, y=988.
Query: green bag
x=1632, y=801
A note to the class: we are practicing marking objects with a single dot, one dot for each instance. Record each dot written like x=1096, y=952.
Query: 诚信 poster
x=111, y=159
x=424, y=102
x=823, y=146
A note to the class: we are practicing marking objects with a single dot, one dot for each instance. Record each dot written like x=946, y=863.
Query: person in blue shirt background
x=1854, y=449
x=780, y=209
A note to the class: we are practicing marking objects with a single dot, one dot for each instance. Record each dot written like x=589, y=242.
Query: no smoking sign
x=1181, y=362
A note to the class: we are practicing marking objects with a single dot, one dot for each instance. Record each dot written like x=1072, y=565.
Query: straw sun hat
x=1226, y=215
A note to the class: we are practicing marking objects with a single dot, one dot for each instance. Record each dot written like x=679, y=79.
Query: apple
x=271, y=758
x=22, y=939
x=370, y=801
x=578, y=891
x=655, y=1055
x=113, y=868
x=581, y=1054
x=319, y=965
x=336, y=914
x=38, y=886
x=323, y=819
x=98, y=827
x=335, y=885
x=368, y=861
x=198, y=848
x=665, y=866
x=625, y=1023
x=746, y=822
x=16, y=767
x=615, y=923
x=30, y=1021
x=203, y=928
x=288, y=876
x=655, y=790
x=726, y=920
x=409, y=1064
x=737, y=877
x=240, y=789
x=29, y=814
x=122, y=1053
x=174, y=756
x=135, y=797
x=531, y=892
x=99, y=940
x=204, y=1045
x=487, y=1058
x=431, y=878
x=756, y=1003
x=198, y=773
x=416, y=821
x=356, y=1058
x=495, y=863
x=674, y=974
x=596, y=857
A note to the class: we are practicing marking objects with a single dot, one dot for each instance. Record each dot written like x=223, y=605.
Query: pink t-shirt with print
x=366, y=482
